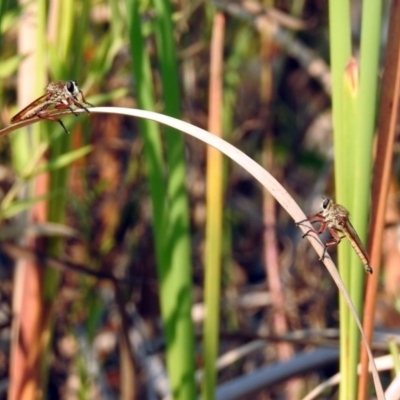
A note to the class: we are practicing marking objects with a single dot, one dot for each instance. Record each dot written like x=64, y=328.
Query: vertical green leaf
x=340, y=52
x=354, y=110
x=172, y=229
x=176, y=281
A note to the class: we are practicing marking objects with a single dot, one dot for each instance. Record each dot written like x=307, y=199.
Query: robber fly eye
x=72, y=87
x=326, y=203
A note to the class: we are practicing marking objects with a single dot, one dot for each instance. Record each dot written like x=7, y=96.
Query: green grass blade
x=63, y=160
x=149, y=130
x=354, y=119
x=19, y=206
x=340, y=52
x=214, y=216
x=170, y=309
x=213, y=267
x=366, y=120
x=176, y=281
x=348, y=269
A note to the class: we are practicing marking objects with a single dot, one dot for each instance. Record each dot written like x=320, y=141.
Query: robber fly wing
x=31, y=108
x=352, y=235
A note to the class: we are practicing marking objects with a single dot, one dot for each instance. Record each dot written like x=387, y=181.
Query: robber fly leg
x=44, y=115
x=62, y=124
x=312, y=219
x=335, y=240
x=299, y=223
x=73, y=111
x=80, y=105
x=308, y=232
x=62, y=106
x=84, y=100
x=323, y=253
x=317, y=232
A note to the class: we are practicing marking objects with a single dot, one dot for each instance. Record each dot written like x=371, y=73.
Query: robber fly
x=336, y=218
x=59, y=95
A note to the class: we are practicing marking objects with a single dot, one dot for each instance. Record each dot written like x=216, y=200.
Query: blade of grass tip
x=387, y=122
x=259, y=173
x=214, y=189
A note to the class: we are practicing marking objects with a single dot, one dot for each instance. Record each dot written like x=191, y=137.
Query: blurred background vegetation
x=117, y=281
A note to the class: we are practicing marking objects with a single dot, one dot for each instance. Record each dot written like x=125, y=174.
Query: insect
x=60, y=95
x=336, y=218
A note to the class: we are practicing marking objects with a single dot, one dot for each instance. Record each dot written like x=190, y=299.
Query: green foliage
x=354, y=110
x=169, y=200
x=9, y=66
